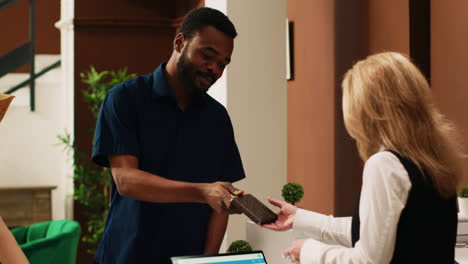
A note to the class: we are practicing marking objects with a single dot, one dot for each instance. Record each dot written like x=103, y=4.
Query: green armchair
x=52, y=242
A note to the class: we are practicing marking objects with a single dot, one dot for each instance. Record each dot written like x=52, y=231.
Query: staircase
x=29, y=150
x=29, y=154
x=44, y=84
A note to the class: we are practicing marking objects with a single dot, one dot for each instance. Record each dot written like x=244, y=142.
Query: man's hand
x=285, y=216
x=218, y=195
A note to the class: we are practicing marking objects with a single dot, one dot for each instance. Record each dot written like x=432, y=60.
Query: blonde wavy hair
x=387, y=103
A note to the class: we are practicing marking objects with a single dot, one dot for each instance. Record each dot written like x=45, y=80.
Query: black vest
x=427, y=229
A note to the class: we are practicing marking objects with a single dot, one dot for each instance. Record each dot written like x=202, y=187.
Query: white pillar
x=256, y=97
x=219, y=90
x=67, y=41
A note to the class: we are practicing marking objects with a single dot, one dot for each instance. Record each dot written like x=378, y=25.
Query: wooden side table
x=20, y=206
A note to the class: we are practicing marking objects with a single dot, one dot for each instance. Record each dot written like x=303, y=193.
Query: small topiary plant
x=463, y=193
x=239, y=246
x=292, y=192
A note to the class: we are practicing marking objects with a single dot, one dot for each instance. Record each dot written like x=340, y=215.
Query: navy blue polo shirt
x=139, y=117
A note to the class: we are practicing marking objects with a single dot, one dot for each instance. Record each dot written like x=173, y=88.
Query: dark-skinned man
x=171, y=150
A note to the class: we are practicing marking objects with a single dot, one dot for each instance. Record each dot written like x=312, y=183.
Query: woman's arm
x=325, y=228
x=384, y=193
x=10, y=252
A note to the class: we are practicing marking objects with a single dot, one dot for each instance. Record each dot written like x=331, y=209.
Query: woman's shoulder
x=384, y=157
x=386, y=167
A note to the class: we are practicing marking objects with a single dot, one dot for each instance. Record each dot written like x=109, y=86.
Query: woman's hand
x=285, y=216
x=294, y=252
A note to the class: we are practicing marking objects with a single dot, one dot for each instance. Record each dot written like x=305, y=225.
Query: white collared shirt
x=384, y=193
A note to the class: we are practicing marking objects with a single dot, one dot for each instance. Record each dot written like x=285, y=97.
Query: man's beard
x=186, y=74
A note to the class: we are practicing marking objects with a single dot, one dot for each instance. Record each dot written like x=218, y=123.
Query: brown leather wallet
x=254, y=209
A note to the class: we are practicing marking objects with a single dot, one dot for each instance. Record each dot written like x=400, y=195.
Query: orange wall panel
x=449, y=66
x=311, y=101
x=329, y=36
x=389, y=26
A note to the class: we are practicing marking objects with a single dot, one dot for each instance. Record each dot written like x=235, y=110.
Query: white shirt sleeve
x=384, y=193
x=325, y=228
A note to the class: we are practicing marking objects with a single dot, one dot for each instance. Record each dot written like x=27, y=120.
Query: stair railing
x=23, y=55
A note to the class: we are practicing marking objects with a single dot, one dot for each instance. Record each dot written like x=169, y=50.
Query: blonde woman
x=407, y=211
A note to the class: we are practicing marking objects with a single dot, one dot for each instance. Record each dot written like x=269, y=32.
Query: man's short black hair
x=199, y=18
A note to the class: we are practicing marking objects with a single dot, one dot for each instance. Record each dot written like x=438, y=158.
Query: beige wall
x=449, y=66
x=256, y=98
x=254, y=92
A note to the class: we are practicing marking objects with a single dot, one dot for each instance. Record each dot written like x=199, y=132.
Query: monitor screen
x=255, y=257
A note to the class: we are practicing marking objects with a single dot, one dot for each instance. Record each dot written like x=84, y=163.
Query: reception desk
x=461, y=255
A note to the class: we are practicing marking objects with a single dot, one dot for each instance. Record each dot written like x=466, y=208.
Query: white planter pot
x=271, y=242
x=463, y=206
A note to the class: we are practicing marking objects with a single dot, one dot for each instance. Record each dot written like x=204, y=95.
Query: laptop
x=254, y=257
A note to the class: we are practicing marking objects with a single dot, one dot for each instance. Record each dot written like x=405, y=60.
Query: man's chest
x=171, y=140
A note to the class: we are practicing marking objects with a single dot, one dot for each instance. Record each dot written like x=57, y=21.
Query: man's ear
x=179, y=42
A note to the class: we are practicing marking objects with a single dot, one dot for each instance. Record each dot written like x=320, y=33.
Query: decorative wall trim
x=91, y=22
x=64, y=24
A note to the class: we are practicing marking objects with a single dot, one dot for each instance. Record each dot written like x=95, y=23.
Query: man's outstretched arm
x=140, y=185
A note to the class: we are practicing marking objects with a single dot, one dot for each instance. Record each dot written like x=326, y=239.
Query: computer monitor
x=254, y=257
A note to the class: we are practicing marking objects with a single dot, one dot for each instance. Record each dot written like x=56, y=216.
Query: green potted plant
x=239, y=246
x=463, y=201
x=92, y=183
x=292, y=192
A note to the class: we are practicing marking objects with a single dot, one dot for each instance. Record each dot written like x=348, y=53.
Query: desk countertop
x=461, y=255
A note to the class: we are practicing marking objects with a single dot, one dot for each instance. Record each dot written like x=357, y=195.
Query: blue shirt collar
x=161, y=88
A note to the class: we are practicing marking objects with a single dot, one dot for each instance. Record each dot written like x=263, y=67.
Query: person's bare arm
x=216, y=229
x=10, y=252
x=140, y=185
